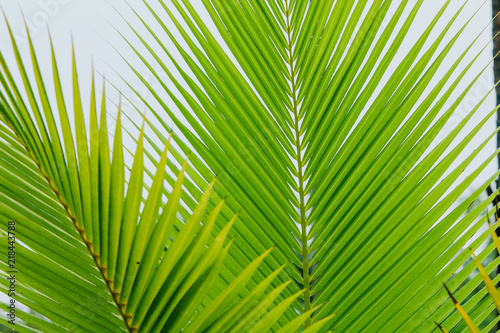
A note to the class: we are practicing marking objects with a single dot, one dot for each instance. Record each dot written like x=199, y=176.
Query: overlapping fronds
x=96, y=247
x=327, y=160
x=323, y=159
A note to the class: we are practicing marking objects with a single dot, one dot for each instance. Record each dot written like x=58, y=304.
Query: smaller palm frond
x=97, y=249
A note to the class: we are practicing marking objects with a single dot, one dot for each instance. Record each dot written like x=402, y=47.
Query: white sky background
x=91, y=22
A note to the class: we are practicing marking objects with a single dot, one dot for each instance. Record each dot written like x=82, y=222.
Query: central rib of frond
x=300, y=168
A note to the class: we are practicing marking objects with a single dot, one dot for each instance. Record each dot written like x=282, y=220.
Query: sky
x=93, y=26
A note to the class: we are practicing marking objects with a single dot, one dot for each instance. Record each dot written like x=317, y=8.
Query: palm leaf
x=285, y=102
x=94, y=252
x=350, y=189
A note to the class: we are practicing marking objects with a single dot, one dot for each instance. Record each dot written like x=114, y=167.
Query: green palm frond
x=327, y=161
x=350, y=177
x=93, y=252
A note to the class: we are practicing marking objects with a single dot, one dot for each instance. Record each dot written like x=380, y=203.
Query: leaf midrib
x=300, y=169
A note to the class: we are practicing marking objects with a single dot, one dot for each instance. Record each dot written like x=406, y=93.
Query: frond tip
x=468, y=321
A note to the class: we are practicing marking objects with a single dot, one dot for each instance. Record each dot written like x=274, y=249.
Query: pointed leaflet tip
x=212, y=183
x=50, y=35
x=26, y=26
x=229, y=224
x=184, y=166
x=144, y=114
x=143, y=123
x=450, y=294
x=72, y=47
x=10, y=29
x=475, y=258
x=180, y=176
x=5, y=16
x=440, y=327
x=141, y=135
x=119, y=114
x=489, y=284
x=470, y=324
